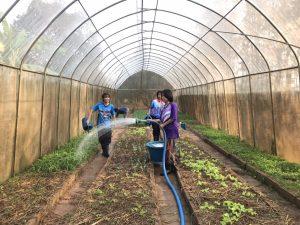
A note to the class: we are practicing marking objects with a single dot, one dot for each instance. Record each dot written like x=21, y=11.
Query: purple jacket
x=170, y=111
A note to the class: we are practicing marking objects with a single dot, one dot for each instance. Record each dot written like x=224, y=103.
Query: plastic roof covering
x=103, y=42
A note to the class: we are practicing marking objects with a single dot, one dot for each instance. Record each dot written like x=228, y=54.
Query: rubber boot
x=105, y=151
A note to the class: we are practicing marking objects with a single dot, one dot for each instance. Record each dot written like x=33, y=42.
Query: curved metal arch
x=186, y=59
x=53, y=20
x=96, y=30
x=112, y=80
x=195, y=48
x=136, y=71
x=210, y=30
x=95, y=45
x=191, y=68
x=247, y=36
x=119, y=77
x=169, y=24
x=283, y=37
x=8, y=10
x=97, y=55
x=274, y=26
x=157, y=71
x=138, y=66
x=161, y=47
x=65, y=40
x=172, y=61
x=127, y=37
x=180, y=54
x=157, y=59
x=157, y=32
x=184, y=50
x=139, y=41
x=199, y=50
x=41, y=33
x=106, y=69
x=77, y=50
x=153, y=26
x=157, y=66
x=255, y=36
x=190, y=53
x=136, y=42
x=179, y=80
x=224, y=18
x=103, y=38
x=182, y=67
x=190, y=61
x=194, y=65
x=152, y=53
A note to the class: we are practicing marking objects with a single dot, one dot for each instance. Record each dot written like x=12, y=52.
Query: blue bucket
x=156, y=149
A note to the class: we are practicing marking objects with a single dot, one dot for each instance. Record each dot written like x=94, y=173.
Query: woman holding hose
x=169, y=122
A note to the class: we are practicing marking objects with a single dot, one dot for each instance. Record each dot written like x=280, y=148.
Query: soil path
x=167, y=208
x=67, y=204
x=290, y=208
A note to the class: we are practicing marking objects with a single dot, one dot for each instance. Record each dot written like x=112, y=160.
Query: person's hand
x=162, y=126
x=87, y=121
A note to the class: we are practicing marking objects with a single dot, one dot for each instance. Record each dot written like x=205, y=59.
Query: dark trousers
x=156, y=130
x=104, y=137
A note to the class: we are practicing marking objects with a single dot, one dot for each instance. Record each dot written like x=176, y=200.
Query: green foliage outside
x=284, y=172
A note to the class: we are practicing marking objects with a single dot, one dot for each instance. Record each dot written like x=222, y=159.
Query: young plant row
x=25, y=194
x=286, y=173
x=123, y=193
x=219, y=196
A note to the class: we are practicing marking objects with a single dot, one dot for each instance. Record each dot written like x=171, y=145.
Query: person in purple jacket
x=169, y=122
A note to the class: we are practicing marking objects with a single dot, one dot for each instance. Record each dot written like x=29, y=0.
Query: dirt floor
x=67, y=204
x=121, y=193
x=167, y=208
x=128, y=189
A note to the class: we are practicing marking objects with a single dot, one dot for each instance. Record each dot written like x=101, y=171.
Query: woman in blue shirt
x=154, y=111
x=106, y=113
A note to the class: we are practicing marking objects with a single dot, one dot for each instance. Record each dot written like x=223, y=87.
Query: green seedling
x=98, y=192
x=207, y=207
x=235, y=212
x=248, y=194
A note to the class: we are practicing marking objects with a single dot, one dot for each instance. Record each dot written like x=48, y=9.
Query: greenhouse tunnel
x=233, y=65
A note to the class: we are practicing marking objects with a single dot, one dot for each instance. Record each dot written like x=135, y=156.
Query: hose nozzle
x=140, y=121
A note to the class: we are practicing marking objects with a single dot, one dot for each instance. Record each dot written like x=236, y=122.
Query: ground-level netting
x=124, y=189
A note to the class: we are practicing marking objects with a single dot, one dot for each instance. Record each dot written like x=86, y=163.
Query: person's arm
x=167, y=122
x=151, y=106
x=89, y=114
x=113, y=112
